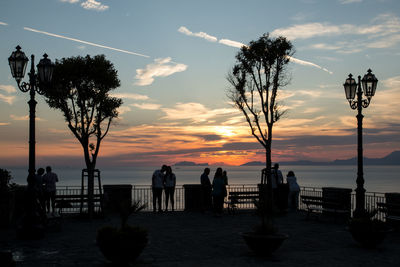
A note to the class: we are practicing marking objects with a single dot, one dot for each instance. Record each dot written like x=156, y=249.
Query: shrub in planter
x=122, y=245
x=368, y=232
x=265, y=238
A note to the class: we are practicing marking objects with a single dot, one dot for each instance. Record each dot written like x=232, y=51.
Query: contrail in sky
x=307, y=63
x=236, y=44
x=85, y=42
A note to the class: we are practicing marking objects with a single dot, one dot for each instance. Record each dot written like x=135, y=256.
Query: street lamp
x=37, y=83
x=351, y=89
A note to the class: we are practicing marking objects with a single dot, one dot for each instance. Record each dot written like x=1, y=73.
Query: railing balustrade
x=144, y=194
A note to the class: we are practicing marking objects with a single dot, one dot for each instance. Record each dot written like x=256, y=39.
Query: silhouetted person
x=49, y=180
x=219, y=192
x=206, y=189
x=294, y=191
x=39, y=189
x=170, y=182
x=157, y=185
x=276, y=180
x=225, y=176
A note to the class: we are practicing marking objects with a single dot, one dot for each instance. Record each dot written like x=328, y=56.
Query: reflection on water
x=18, y=256
x=21, y=255
x=377, y=178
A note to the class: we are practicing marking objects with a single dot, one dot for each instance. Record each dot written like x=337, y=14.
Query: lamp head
x=45, y=70
x=350, y=87
x=18, y=62
x=369, y=83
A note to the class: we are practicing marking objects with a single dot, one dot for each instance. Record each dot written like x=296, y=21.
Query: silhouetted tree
x=260, y=71
x=80, y=89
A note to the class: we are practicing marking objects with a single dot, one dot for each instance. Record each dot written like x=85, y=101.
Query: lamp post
x=37, y=83
x=352, y=88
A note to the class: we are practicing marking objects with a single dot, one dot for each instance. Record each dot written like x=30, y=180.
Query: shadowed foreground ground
x=195, y=239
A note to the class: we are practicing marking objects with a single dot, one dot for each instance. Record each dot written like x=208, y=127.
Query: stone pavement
x=195, y=239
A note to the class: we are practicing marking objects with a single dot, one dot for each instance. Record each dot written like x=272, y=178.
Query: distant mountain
x=254, y=163
x=299, y=162
x=391, y=159
x=190, y=163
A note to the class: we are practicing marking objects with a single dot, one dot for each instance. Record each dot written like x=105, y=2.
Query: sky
x=173, y=57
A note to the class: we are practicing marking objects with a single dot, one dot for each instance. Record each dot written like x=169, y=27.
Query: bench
x=392, y=211
x=75, y=201
x=240, y=197
x=319, y=205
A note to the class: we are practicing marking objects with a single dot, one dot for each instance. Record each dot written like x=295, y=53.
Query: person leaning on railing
x=294, y=191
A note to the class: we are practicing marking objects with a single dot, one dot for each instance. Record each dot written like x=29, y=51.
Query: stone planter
x=263, y=245
x=121, y=246
x=368, y=233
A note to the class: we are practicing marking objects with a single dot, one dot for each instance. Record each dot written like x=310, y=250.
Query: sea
x=381, y=179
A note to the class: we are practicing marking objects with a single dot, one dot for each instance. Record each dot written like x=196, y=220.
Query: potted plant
x=367, y=231
x=5, y=198
x=265, y=238
x=122, y=245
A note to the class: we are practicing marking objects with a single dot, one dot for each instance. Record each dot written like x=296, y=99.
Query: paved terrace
x=195, y=239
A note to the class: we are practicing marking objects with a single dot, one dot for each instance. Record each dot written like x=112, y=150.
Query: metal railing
x=144, y=194
x=371, y=198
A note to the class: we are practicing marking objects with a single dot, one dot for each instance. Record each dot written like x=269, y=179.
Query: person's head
x=290, y=174
x=169, y=169
x=207, y=171
x=276, y=166
x=40, y=171
x=218, y=172
x=48, y=169
x=164, y=168
x=224, y=173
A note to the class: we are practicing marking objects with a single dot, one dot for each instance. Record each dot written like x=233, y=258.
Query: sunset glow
x=173, y=58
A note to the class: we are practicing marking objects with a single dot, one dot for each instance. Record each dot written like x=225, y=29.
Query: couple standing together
x=163, y=179
x=293, y=186
x=216, y=190
x=44, y=188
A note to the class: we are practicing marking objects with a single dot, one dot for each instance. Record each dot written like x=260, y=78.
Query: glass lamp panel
x=18, y=62
x=350, y=87
x=45, y=70
x=369, y=83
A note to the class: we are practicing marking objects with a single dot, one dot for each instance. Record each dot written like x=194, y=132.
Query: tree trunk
x=269, y=178
x=90, y=191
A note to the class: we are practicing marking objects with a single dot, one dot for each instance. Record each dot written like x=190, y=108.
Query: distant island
x=190, y=163
x=391, y=159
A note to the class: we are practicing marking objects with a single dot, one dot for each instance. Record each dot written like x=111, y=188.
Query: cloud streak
x=345, y=2
x=231, y=43
x=85, y=42
x=70, y=1
x=92, y=4
x=147, y=106
x=382, y=25
x=195, y=112
x=162, y=67
x=7, y=98
x=23, y=118
x=307, y=63
x=203, y=35
x=8, y=88
x=130, y=96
